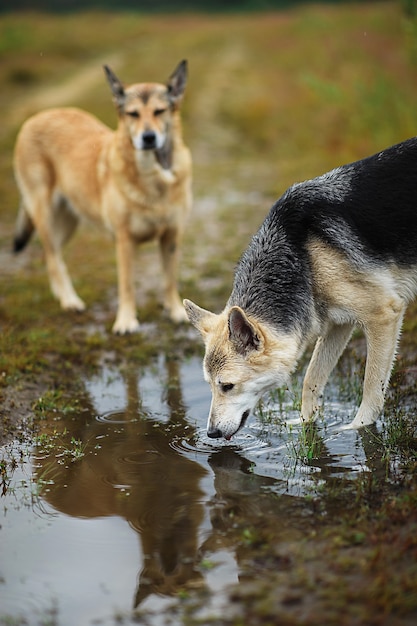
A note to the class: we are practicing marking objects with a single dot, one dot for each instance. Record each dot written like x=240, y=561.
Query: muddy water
x=125, y=503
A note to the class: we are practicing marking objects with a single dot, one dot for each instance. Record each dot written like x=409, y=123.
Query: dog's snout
x=214, y=433
x=149, y=140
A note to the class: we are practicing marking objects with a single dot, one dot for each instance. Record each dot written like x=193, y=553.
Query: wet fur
x=335, y=252
x=136, y=181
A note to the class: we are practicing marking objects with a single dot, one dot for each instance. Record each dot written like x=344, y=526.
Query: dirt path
x=216, y=82
x=65, y=93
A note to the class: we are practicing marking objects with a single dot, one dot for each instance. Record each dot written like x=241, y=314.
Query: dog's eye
x=225, y=387
x=159, y=112
x=133, y=113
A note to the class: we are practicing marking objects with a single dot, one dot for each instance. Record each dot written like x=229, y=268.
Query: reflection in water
x=187, y=497
x=333, y=480
x=243, y=497
x=129, y=469
x=373, y=446
x=245, y=501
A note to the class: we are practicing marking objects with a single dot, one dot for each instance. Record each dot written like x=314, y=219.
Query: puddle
x=125, y=503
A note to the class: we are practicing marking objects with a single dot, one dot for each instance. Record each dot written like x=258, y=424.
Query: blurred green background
x=156, y=6
x=274, y=96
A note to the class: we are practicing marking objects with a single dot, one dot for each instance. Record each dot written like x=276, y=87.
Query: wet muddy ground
x=115, y=507
x=121, y=503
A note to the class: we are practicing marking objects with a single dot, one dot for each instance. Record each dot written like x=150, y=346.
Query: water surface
x=126, y=504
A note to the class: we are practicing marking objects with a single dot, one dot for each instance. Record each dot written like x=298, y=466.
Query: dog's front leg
x=169, y=244
x=126, y=320
x=325, y=355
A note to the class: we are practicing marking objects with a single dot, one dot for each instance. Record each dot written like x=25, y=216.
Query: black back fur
x=366, y=209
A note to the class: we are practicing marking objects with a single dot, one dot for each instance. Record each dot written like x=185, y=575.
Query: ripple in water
x=142, y=457
x=199, y=442
x=278, y=448
x=117, y=417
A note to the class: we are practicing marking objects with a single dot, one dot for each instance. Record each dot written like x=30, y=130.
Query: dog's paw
x=357, y=423
x=126, y=327
x=348, y=427
x=73, y=304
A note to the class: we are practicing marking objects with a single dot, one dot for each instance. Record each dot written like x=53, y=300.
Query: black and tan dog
x=136, y=181
x=335, y=252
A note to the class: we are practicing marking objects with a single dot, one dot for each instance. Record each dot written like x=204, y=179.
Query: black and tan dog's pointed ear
x=177, y=82
x=116, y=87
x=242, y=332
x=200, y=318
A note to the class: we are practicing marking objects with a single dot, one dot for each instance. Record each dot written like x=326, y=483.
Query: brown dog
x=136, y=181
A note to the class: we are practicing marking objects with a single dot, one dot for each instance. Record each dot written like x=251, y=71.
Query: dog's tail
x=23, y=229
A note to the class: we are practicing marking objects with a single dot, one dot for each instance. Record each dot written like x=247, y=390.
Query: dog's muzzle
x=216, y=433
x=148, y=140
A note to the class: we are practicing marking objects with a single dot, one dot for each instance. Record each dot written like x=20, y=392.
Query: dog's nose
x=214, y=433
x=149, y=139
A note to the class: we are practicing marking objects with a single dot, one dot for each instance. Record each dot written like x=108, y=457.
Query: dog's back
x=58, y=153
x=365, y=210
x=372, y=201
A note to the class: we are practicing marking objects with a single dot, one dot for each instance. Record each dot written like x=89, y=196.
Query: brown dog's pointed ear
x=177, y=82
x=242, y=332
x=200, y=318
x=116, y=87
